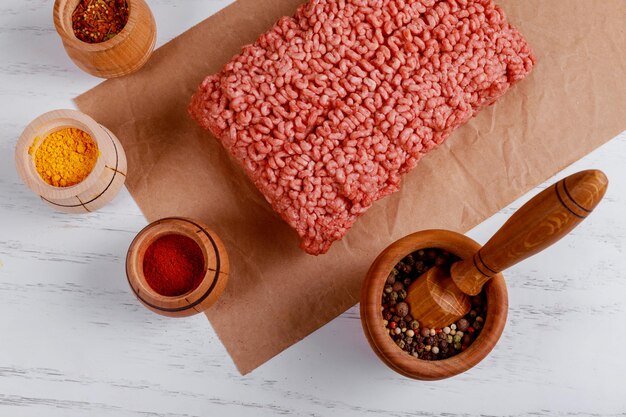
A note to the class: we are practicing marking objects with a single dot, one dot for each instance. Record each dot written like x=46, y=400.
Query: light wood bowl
x=101, y=185
x=215, y=275
x=123, y=54
x=372, y=320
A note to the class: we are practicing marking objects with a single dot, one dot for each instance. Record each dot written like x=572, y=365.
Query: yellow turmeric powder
x=65, y=157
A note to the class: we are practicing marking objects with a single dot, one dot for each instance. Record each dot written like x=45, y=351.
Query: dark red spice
x=173, y=265
x=96, y=21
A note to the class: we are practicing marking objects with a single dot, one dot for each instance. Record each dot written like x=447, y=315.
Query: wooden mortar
x=440, y=297
x=378, y=336
x=215, y=264
x=101, y=185
x=123, y=54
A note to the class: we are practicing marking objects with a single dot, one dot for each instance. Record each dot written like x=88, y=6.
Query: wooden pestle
x=440, y=297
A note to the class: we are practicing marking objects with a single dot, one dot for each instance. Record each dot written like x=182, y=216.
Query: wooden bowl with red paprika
x=108, y=38
x=177, y=267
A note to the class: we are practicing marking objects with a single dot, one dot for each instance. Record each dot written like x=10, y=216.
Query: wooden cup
x=215, y=273
x=101, y=185
x=123, y=54
x=378, y=336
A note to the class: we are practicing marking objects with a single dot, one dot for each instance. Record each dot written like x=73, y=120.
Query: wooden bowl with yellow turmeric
x=72, y=162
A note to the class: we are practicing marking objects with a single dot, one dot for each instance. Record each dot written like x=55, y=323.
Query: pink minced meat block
x=329, y=108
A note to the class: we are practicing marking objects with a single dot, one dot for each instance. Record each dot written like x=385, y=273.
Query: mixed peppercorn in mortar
x=406, y=330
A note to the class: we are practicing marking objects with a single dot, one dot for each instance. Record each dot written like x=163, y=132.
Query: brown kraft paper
x=574, y=101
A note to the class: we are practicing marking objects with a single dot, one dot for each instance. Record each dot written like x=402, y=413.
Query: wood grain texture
x=377, y=334
x=75, y=342
x=121, y=55
x=436, y=299
x=541, y=222
x=216, y=268
x=102, y=184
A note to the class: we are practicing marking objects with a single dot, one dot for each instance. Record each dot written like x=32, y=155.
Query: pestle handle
x=543, y=220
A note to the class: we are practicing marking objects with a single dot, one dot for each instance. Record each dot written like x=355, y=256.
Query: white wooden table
x=75, y=342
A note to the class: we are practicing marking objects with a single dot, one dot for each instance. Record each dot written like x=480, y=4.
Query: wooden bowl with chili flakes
x=111, y=54
x=378, y=335
x=177, y=267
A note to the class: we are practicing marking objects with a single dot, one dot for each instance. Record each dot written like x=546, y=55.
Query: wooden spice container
x=378, y=336
x=123, y=54
x=101, y=185
x=216, y=268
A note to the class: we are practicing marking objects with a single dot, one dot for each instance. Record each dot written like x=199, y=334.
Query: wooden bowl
x=378, y=337
x=101, y=185
x=123, y=54
x=215, y=273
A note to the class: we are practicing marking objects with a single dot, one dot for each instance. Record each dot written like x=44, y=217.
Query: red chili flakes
x=96, y=21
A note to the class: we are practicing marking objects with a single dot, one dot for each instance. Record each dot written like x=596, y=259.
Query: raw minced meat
x=329, y=108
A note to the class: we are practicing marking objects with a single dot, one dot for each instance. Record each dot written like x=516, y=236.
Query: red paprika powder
x=173, y=265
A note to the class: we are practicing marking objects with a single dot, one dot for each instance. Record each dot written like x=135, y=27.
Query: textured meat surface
x=329, y=108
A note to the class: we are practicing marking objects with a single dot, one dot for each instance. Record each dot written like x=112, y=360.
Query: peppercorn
x=462, y=324
x=442, y=342
x=402, y=309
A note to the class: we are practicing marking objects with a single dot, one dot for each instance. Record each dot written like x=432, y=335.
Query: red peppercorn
x=471, y=329
x=392, y=325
